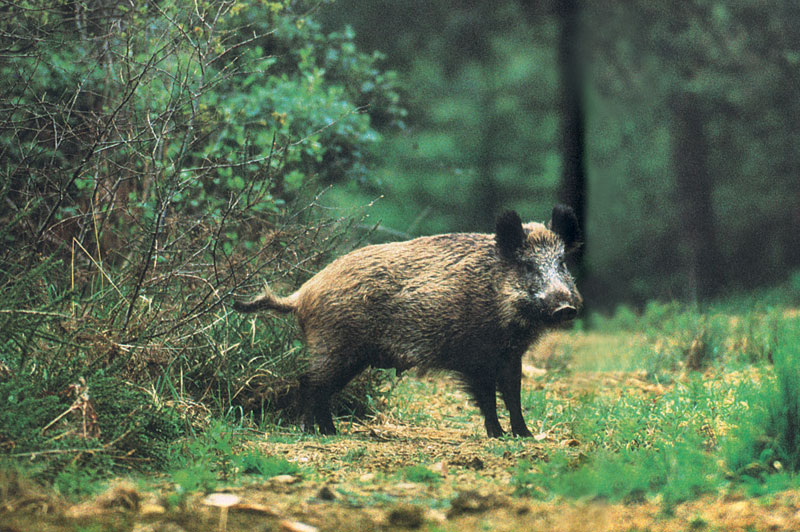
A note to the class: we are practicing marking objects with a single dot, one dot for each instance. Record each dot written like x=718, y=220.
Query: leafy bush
x=87, y=422
x=155, y=161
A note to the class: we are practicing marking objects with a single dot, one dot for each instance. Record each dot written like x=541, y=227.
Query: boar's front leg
x=508, y=384
x=483, y=390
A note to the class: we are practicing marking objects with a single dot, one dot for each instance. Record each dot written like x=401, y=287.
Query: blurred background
x=671, y=128
x=136, y=136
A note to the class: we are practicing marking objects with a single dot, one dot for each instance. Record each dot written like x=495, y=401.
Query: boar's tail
x=267, y=301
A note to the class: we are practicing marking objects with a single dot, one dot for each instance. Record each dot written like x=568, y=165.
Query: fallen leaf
x=285, y=479
x=297, y=526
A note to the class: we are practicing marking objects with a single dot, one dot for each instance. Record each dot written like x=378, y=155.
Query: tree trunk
x=572, y=189
x=487, y=195
x=694, y=190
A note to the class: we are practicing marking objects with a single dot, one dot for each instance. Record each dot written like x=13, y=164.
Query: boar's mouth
x=564, y=313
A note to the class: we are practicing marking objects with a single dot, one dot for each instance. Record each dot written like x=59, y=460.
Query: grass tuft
x=255, y=463
x=767, y=439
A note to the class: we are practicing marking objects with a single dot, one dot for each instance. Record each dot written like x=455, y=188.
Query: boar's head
x=543, y=290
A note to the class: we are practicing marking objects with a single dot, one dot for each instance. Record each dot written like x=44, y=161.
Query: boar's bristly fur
x=464, y=302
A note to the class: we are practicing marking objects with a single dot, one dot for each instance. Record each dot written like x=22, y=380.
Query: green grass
x=632, y=446
x=676, y=473
x=737, y=426
x=421, y=474
x=767, y=438
x=677, y=336
x=405, y=402
x=255, y=463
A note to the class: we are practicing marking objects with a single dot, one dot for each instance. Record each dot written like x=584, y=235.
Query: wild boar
x=465, y=302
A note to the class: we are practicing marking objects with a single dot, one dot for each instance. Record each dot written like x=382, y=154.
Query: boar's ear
x=564, y=223
x=509, y=234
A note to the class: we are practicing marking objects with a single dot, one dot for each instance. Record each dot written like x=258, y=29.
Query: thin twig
x=58, y=451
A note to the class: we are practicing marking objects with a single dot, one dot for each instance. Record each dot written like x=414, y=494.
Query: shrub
x=155, y=161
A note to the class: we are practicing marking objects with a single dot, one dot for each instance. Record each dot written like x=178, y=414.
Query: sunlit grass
x=641, y=421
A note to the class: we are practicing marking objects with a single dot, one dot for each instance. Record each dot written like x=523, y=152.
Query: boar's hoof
x=564, y=313
x=495, y=432
x=523, y=433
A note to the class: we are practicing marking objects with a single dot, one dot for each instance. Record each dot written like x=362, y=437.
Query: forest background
x=158, y=159
x=672, y=128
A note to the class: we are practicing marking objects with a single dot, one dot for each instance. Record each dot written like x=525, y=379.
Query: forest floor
x=425, y=464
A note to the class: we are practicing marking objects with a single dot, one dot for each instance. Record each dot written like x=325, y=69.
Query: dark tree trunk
x=694, y=190
x=572, y=190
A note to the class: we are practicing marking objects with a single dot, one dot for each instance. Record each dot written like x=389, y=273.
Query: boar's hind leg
x=328, y=374
x=317, y=407
x=482, y=388
x=508, y=384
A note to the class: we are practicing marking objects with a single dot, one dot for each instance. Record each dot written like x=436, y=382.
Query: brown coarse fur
x=461, y=302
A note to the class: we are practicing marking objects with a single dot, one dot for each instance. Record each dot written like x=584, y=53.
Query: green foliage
x=767, y=439
x=200, y=460
x=474, y=75
x=302, y=87
x=74, y=482
x=421, y=474
x=644, y=63
x=255, y=463
x=676, y=473
x=85, y=422
x=191, y=479
x=178, y=165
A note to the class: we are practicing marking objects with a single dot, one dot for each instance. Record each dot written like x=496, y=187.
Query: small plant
x=421, y=474
x=192, y=479
x=354, y=455
x=74, y=482
x=255, y=463
x=525, y=480
x=201, y=460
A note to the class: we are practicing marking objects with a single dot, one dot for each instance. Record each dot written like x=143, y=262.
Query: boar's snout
x=561, y=306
